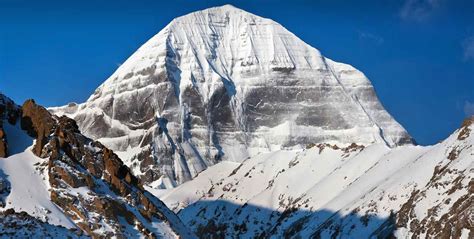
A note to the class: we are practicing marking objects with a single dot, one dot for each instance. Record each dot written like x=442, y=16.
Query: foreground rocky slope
x=22, y=225
x=326, y=191
x=224, y=84
x=70, y=180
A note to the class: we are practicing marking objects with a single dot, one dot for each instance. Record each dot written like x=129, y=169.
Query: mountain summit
x=224, y=84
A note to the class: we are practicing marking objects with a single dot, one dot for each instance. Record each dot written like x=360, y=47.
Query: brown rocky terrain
x=22, y=225
x=446, y=218
x=89, y=182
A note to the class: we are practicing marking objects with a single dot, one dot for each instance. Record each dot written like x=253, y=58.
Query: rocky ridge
x=326, y=191
x=88, y=182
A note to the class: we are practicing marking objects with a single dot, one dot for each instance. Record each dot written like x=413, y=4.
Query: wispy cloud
x=367, y=36
x=468, y=108
x=468, y=47
x=418, y=10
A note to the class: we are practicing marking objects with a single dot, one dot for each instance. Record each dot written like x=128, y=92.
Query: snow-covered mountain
x=326, y=191
x=66, y=185
x=243, y=130
x=55, y=182
x=223, y=84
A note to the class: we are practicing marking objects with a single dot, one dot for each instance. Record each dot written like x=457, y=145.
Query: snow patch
x=18, y=138
x=29, y=189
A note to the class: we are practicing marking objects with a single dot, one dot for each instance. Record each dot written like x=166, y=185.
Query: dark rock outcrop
x=3, y=143
x=38, y=122
x=89, y=182
x=465, y=130
x=5, y=189
x=21, y=225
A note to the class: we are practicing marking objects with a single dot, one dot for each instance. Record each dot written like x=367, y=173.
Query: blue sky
x=418, y=54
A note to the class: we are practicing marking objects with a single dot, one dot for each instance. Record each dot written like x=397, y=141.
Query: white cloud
x=370, y=37
x=468, y=46
x=418, y=10
x=468, y=108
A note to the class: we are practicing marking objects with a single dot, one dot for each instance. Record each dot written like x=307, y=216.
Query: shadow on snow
x=224, y=219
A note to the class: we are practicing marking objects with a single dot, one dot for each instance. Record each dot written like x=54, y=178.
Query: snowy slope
x=25, y=174
x=22, y=225
x=29, y=188
x=327, y=191
x=224, y=84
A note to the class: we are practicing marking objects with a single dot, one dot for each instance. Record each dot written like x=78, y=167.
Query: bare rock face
x=38, y=122
x=5, y=189
x=451, y=214
x=224, y=84
x=21, y=225
x=3, y=144
x=89, y=182
x=110, y=195
x=465, y=130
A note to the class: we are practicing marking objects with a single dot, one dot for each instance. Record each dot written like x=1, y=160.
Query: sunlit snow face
x=230, y=84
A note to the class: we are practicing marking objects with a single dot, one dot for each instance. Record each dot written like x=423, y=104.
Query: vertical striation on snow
x=224, y=84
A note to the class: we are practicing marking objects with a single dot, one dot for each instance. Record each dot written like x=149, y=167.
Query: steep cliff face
x=72, y=181
x=224, y=84
x=326, y=191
